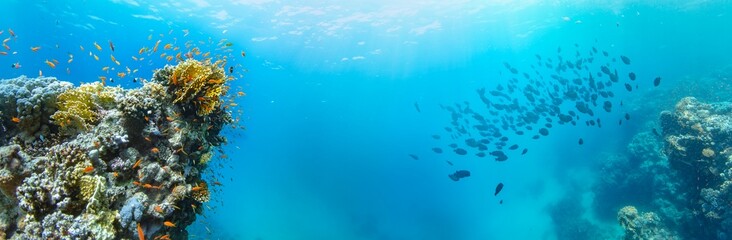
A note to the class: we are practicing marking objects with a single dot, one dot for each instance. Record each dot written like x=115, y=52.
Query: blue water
x=331, y=87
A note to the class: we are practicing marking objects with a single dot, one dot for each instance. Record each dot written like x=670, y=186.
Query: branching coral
x=77, y=107
x=198, y=83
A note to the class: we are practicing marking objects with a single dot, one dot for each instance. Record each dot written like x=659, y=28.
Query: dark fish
x=628, y=87
x=414, y=156
x=437, y=150
x=625, y=59
x=535, y=137
x=231, y=69
x=453, y=145
x=460, y=151
x=500, y=156
x=620, y=122
x=513, y=147
x=448, y=162
x=627, y=116
x=631, y=75
x=656, y=81
x=524, y=151
x=448, y=129
x=608, y=106
x=459, y=174
x=416, y=106
x=480, y=154
x=519, y=132
x=656, y=133
x=581, y=141
x=436, y=136
x=501, y=202
x=499, y=187
x=543, y=131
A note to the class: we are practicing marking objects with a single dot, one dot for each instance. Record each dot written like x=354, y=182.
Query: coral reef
x=642, y=226
x=114, y=161
x=32, y=101
x=698, y=142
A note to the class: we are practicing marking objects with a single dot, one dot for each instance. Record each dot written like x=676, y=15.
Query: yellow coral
x=201, y=84
x=708, y=152
x=89, y=185
x=77, y=106
x=205, y=158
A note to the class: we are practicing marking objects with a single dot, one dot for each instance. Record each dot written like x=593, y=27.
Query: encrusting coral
x=117, y=162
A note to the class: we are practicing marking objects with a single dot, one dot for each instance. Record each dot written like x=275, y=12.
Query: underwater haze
x=431, y=119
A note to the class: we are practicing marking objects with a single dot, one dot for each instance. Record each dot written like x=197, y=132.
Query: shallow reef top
x=100, y=162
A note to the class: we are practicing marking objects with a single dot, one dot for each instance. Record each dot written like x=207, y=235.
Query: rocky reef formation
x=698, y=143
x=639, y=226
x=100, y=162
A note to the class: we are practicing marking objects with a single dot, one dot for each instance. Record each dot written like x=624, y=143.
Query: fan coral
x=199, y=83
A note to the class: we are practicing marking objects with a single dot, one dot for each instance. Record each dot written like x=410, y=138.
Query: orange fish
x=137, y=164
x=155, y=48
x=103, y=79
x=12, y=33
x=35, y=49
x=169, y=58
x=111, y=45
x=15, y=119
x=112, y=57
x=140, y=233
x=142, y=50
x=96, y=58
x=97, y=46
x=134, y=58
x=121, y=74
x=168, y=224
x=240, y=93
x=88, y=169
x=155, y=150
x=105, y=68
x=168, y=46
x=3, y=53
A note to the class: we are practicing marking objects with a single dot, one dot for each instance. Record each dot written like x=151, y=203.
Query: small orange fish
x=50, y=64
x=70, y=60
x=241, y=94
x=148, y=139
x=155, y=150
x=97, y=46
x=111, y=45
x=158, y=209
x=170, y=119
x=103, y=79
x=88, y=169
x=168, y=46
x=121, y=74
x=115, y=174
x=15, y=119
x=112, y=57
x=12, y=33
x=35, y=49
x=168, y=224
x=105, y=68
x=140, y=233
x=96, y=58
x=142, y=50
x=137, y=164
x=3, y=53
x=134, y=58
x=81, y=47
x=155, y=48
x=169, y=58
x=243, y=54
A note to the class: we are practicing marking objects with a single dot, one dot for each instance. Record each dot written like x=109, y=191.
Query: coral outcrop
x=698, y=143
x=641, y=226
x=114, y=161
